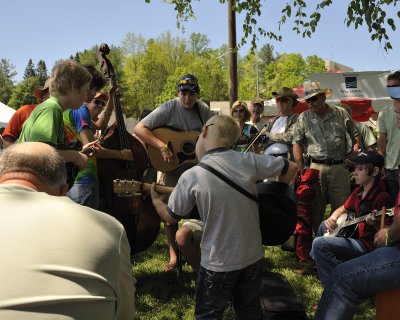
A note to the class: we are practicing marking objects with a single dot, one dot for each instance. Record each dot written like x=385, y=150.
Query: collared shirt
x=375, y=199
x=325, y=138
x=387, y=125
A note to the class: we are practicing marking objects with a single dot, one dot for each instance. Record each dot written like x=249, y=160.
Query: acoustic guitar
x=346, y=223
x=182, y=144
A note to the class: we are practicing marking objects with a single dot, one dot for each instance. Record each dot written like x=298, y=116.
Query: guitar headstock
x=127, y=188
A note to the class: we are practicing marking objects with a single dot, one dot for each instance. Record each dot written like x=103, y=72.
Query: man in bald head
x=64, y=260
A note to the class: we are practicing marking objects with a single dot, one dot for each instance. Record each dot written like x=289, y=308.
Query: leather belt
x=329, y=162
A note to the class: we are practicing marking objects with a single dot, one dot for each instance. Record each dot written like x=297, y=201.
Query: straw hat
x=37, y=93
x=311, y=89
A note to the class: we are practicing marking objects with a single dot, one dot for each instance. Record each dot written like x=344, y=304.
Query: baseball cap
x=188, y=82
x=258, y=101
x=366, y=157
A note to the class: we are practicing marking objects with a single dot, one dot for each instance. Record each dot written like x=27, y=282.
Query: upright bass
x=134, y=210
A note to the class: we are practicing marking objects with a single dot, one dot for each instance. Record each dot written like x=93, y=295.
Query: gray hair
x=36, y=158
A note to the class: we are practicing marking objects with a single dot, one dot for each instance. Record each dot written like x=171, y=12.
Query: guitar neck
x=363, y=218
x=159, y=188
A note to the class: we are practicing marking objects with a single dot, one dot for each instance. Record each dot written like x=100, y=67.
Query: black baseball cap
x=188, y=82
x=366, y=157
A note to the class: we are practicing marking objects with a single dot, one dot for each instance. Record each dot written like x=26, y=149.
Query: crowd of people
x=78, y=264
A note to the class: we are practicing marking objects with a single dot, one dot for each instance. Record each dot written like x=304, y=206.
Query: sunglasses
x=282, y=100
x=238, y=110
x=98, y=102
x=312, y=99
x=188, y=81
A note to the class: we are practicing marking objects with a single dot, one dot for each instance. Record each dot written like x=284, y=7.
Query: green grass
x=159, y=296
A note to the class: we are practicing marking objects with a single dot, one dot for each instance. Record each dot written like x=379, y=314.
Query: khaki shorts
x=196, y=226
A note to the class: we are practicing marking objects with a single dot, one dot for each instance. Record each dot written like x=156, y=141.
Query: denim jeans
x=326, y=251
x=85, y=194
x=213, y=290
x=357, y=278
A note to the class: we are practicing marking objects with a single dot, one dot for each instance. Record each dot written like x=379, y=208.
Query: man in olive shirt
x=320, y=133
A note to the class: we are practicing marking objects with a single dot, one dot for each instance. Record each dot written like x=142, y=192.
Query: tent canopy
x=5, y=114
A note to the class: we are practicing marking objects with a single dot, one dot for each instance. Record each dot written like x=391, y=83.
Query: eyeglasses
x=202, y=130
x=238, y=110
x=206, y=126
x=314, y=98
x=100, y=103
x=282, y=100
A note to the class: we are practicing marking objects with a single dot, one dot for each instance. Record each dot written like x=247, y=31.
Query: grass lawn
x=159, y=296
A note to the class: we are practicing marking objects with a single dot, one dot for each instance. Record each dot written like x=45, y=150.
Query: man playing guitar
x=186, y=112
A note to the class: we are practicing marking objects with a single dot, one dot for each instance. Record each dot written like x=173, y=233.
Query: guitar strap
x=228, y=181
x=196, y=106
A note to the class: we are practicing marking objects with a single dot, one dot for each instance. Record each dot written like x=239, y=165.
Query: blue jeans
x=85, y=194
x=213, y=290
x=326, y=251
x=355, y=279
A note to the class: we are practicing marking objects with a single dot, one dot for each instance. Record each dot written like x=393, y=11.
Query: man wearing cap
x=368, y=196
x=389, y=145
x=279, y=130
x=257, y=109
x=321, y=133
x=14, y=126
x=81, y=125
x=371, y=273
x=186, y=112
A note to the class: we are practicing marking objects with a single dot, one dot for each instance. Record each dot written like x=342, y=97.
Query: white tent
x=5, y=114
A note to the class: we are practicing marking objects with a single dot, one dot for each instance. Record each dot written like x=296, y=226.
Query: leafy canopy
x=377, y=15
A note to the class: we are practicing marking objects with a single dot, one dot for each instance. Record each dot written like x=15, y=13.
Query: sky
x=54, y=29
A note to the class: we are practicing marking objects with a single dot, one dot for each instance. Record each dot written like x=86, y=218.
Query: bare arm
x=77, y=158
x=331, y=222
x=87, y=136
x=290, y=173
x=298, y=157
x=160, y=206
x=148, y=137
x=381, y=144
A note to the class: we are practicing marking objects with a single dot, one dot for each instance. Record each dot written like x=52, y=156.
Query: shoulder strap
x=196, y=106
x=228, y=181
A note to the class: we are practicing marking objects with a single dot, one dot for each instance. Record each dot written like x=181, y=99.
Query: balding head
x=23, y=160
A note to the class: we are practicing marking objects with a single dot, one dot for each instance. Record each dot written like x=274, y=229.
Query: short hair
x=66, y=75
x=225, y=129
x=394, y=76
x=238, y=103
x=98, y=80
x=48, y=167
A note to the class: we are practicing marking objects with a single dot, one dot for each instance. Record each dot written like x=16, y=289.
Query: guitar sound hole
x=188, y=147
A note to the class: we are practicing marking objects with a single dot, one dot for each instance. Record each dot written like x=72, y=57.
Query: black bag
x=278, y=299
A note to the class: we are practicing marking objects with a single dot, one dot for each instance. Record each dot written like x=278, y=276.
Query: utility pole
x=233, y=83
